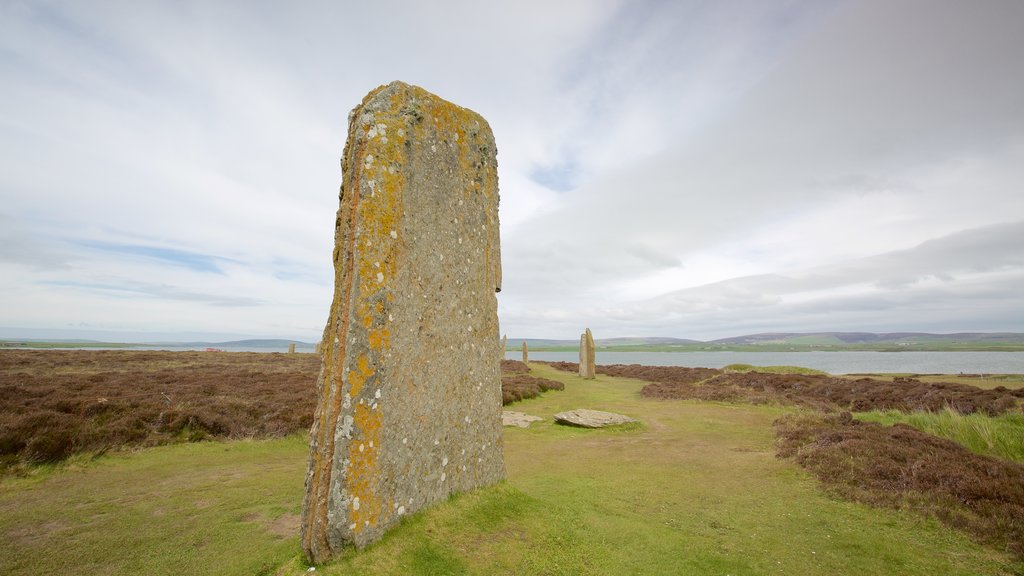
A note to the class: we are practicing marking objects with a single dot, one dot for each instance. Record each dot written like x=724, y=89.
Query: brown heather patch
x=901, y=467
x=822, y=392
x=514, y=367
x=55, y=403
x=517, y=384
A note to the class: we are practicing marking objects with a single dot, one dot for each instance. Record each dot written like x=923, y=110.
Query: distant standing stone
x=586, y=418
x=504, y=346
x=520, y=419
x=526, y=353
x=410, y=385
x=291, y=348
x=587, y=369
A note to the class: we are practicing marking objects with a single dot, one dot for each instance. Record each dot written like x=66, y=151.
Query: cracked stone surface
x=409, y=393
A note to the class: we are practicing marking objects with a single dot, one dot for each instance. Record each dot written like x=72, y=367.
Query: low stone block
x=520, y=419
x=586, y=418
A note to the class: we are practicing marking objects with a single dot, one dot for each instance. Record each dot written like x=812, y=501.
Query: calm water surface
x=832, y=362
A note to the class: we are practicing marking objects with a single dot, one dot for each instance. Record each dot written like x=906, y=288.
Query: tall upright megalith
x=503, y=347
x=526, y=353
x=587, y=369
x=409, y=407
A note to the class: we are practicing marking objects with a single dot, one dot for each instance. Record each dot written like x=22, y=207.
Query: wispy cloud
x=170, y=256
x=158, y=292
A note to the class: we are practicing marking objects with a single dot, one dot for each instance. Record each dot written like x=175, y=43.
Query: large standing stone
x=409, y=407
x=526, y=353
x=504, y=345
x=587, y=369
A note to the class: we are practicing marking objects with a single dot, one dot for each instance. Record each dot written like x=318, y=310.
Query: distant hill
x=765, y=341
x=517, y=343
x=795, y=341
x=839, y=338
x=251, y=343
x=640, y=341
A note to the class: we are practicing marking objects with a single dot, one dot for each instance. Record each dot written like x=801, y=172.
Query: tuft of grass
x=1001, y=436
x=773, y=369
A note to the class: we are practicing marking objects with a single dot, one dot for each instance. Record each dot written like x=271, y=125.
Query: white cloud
x=672, y=168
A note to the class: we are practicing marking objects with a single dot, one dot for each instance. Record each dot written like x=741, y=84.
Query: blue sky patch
x=182, y=258
x=560, y=177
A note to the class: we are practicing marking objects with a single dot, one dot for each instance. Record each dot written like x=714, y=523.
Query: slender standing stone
x=504, y=345
x=526, y=353
x=587, y=369
x=291, y=347
x=409, y=391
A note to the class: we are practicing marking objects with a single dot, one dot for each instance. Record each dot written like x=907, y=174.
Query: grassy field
x=773, y=369
x=201, y=508
x=696, y=489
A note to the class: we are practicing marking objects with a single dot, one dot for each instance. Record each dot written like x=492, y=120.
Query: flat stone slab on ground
x=521, y=419
x=586, y=418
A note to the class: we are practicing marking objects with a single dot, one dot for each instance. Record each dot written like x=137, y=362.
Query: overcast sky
x=677, y=168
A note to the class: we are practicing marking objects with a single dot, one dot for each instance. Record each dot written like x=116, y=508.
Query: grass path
x=695, y=490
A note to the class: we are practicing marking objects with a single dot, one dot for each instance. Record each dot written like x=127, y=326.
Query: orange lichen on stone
x=357, y=378
x=362, y=470
x=379, y=339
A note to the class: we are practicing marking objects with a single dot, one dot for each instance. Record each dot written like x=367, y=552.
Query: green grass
x=1001, y=436
x=773, y=369
x=696, y=489
x=208, y=508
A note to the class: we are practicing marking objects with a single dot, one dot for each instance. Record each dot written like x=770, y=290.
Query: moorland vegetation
x=711, y=471
x=56, y=403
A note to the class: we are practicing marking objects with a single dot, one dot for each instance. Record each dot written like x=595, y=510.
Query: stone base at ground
x=585, y=418
x=520, y=419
